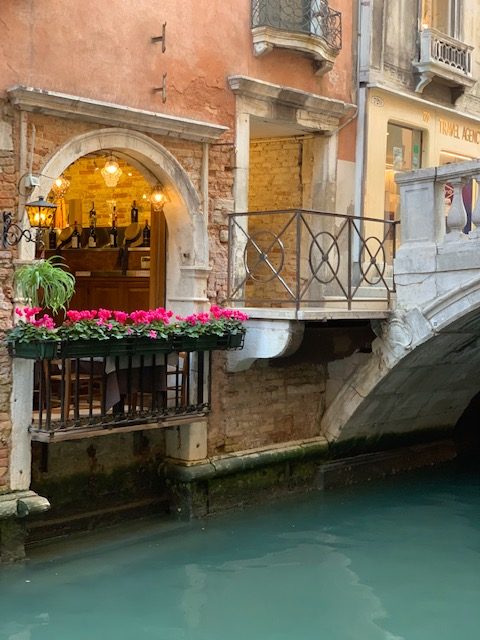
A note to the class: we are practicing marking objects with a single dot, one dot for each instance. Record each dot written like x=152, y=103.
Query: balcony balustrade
x=445, y=58
x=308, y=26
x=311, y=262
x=78, y=397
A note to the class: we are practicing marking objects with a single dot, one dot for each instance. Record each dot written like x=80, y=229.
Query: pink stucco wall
x=103, y=50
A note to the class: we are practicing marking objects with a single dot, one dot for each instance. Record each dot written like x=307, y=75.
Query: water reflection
x=399, y=561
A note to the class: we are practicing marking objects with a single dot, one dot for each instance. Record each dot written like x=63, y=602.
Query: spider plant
x=45, y=283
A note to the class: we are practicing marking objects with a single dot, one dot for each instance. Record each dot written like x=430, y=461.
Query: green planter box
x=235, y=340
x=149, y=346
x=44, y=350
x=208, y=343
x=85, y=348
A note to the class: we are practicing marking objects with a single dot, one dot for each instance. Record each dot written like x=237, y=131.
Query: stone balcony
x=446, y=59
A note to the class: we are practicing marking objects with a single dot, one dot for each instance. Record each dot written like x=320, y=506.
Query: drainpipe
x=364, y=22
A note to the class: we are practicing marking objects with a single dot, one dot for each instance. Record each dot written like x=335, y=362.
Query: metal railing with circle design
x=309, y=259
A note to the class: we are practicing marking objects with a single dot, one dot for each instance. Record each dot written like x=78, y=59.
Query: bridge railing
x=436, y=203
x=302, y=259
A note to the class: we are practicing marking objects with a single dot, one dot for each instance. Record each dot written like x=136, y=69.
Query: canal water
x=398, y=559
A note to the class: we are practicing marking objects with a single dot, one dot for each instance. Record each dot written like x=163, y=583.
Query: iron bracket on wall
x=162, y=89
x=161, y=38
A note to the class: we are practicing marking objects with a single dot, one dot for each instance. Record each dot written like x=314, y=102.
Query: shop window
x=404, y=152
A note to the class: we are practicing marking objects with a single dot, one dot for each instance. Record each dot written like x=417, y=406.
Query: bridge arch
x=422, y=372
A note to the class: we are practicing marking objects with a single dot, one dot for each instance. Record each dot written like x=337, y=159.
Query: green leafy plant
x=46, y=283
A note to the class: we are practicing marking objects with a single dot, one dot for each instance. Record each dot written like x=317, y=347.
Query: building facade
x=418, y=92
x=250, y=108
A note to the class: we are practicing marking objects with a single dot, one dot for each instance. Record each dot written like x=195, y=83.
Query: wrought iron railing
x=85, y=395
x=314, y=17
x=310, y=259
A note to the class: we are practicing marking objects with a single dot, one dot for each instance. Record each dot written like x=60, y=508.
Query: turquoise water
x=398, y=559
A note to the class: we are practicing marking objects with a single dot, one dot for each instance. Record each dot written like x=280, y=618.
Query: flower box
x=208, y=342
x=41, y=350
x=148, y=346
x=235, y=340
x=84, y=348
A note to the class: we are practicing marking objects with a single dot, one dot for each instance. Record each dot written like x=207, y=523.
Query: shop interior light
x=60, y=187
x=158, y=198
x=111, y=172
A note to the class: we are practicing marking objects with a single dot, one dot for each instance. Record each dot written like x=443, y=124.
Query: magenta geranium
x=104, y=324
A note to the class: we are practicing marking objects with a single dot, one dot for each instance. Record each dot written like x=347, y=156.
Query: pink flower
x=152, y=334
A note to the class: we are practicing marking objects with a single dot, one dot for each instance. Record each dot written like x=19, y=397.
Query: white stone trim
x=63, y=105
x=312, y=111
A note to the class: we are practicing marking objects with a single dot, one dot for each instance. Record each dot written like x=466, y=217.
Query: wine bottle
x=75, y=237
x=93, y=215
x=146, y=235
x=134, y=212
x=52, y=238
x=92, y=237
x=114, y=234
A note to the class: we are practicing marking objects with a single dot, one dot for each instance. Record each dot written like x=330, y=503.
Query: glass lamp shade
x=158, y=197
x=111, y=172
x=40, y=213
x=60, y=187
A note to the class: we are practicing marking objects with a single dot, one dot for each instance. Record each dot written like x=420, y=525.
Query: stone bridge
x=421, y=372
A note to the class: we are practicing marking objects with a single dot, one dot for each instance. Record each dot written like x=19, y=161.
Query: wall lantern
x=40, y=214
x=158, y=198
x=111, y=172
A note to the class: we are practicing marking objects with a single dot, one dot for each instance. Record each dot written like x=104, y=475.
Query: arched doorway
x=186, y=252
x=187, y=249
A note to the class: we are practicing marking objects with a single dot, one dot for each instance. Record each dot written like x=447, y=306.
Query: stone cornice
x=67, y=106
x=303, y=101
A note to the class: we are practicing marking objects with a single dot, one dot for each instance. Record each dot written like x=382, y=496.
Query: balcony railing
x=313, y=17
x=94, y=396
x=445, y=57
x=309, y=27
x=310, y=260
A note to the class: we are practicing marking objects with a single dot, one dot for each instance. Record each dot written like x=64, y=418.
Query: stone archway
x=187, y=250
x=187, y=254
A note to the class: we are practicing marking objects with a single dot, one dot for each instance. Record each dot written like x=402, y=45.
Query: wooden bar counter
x=100, y=282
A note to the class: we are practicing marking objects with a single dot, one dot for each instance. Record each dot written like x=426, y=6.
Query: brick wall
x=264, y=405
x=87, y=184
x=275, y=183
x=7, y=202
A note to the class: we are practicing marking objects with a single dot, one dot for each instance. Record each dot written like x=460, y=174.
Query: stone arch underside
x=187, y=250
x=422, y=373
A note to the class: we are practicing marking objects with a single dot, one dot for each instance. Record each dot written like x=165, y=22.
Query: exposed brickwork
x=264, y=405
x=87, y=185
x=5, y=365
x=275, y=183
x=267, y=404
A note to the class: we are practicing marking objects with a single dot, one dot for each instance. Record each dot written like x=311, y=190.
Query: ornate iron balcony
x=314, y=17
x=309, y=26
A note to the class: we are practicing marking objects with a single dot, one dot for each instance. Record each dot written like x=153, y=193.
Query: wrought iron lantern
x=40, y=214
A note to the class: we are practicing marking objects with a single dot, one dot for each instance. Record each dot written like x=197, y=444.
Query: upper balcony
x=445, y=58
x=308, y=26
